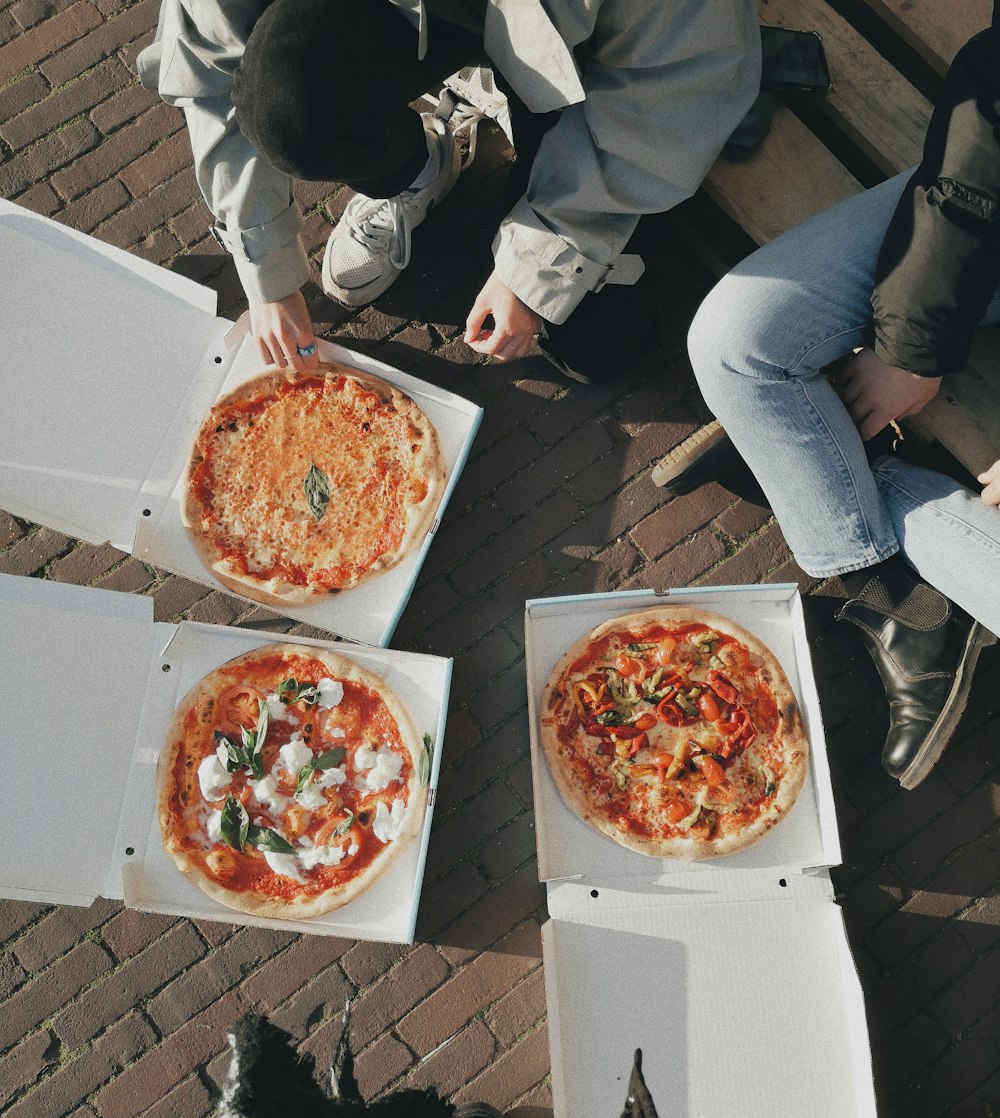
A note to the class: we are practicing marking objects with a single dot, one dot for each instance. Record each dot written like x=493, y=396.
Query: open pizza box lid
x=734, y=975
x=750, y=1007
x=570, y=850
x=88, y=688
x=110, y=366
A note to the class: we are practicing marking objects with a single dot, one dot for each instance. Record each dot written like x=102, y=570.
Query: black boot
x=925, y=649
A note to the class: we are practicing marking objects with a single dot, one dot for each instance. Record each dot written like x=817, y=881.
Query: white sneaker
x=475, y=86
x=370, y=245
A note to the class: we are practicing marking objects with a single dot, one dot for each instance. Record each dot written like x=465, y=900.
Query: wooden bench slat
x=870, y=102
x=936, y=29
x=965, y=414
x=792, y=177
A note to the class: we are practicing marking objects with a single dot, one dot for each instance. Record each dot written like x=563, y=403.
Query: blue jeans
x=758, y=346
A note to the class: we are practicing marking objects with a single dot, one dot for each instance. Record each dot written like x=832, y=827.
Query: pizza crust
x=203, y=698
x=427, y=464
x=791, y=732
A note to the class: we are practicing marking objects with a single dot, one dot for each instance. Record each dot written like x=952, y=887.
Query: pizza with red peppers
x=674, y=732
x=289, y=779
x=300, y=485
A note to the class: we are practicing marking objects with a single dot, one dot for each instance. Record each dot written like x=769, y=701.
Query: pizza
x=302, y=484
x=674, y=732
x=289, y=779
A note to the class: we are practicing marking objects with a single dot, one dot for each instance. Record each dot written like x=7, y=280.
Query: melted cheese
x=213, y=778
x=377, y=769
x=387, y=823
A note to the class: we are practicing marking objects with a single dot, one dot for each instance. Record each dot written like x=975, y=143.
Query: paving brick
x=38, y=162
x=63, y=105
x=964, y=821
x=479, y=817
x=512, y=1073
x=676, y=520
x=85, y=564
x=913, y=1047
x=111, y=155
x=284, y=973
x=128, y=578
x=131, y=984
x=175, y=595
x=51, y=990
x=16, y=96
x=123, y=106
x=132, y=225
x=379, y=1006
x=320, y=999
x=158, y=165
x=487, y=921
x=518, y=1011
x=90, y=209
x=128, y=932
x=447, y=897
x=685, y=565
x=465, y=1054
x=104, y=39
x=194, y=989
x=475, y=768
x=43, y=39
x=58, y=931
x=510, y=847
x=24, y=1063
x=16, y=916
x=505, y=696
x=74, y=1080
x=12, y=974
x=485, y=979
x=753, y=562
x=381, y=1063
x=147, y=1079
x=190, y=1099
x=364, y=962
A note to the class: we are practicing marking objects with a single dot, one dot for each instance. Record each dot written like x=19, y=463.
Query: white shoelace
x=382, y=224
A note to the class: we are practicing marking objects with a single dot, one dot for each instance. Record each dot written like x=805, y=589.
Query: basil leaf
x=266, y=839
x=252, y=753
x=287, y=685
x=343, y=827
x=317, y=490
x=234, y=823
x=263, y=718
x=307, y=693
x=424, y=767
x=322, y=761
x=235, y=757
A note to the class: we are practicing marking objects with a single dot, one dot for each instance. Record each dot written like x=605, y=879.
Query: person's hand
x=876, y=393
x=991, y=480
x=515, y=326
x=280, y=329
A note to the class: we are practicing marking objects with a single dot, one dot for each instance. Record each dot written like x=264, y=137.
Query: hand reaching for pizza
x=515, y=326
x=281, y=329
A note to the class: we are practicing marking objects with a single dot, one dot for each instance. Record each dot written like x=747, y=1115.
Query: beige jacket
x=650, y=90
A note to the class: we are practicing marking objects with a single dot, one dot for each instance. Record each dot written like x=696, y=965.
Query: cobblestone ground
x=115, y=1014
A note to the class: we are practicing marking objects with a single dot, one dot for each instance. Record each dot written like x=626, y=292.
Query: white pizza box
x=109, y=366
x=88, y=685
x=749, y=1006
x=569, y=850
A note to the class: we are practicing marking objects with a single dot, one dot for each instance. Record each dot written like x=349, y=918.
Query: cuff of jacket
x=544, y=270
x=270, y=259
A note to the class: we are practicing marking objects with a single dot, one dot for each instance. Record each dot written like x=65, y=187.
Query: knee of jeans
x=736, y=331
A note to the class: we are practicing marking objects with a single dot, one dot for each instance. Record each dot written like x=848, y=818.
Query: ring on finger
x=306, y=350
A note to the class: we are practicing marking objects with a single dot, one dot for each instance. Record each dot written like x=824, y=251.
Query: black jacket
x=940, y=260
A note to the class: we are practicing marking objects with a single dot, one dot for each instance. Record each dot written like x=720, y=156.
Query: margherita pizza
x=303, y=484
x=674, y=732
x=290, y=777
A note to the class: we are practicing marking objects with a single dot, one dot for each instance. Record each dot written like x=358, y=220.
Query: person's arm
x=192, y=62
x=940, y=260
x=663, y=93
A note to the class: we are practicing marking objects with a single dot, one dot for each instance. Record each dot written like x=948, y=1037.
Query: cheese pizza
x=300, y=485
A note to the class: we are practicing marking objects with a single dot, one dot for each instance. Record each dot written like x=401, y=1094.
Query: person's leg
x=947, y=535
x=324, y=86
x=758, y=345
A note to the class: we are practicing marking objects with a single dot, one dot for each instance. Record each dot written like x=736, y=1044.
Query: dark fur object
x=266, y=1079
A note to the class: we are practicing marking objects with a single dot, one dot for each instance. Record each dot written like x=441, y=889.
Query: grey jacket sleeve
x=191, y=63
x=663, y=91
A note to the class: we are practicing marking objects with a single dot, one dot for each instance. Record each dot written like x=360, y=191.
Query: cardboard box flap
x=74, y=672
x=183, y=655
x=568, y=849
x=100, y=351
x=750, y=1009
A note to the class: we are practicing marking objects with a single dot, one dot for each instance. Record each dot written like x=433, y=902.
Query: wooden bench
x=875, y=116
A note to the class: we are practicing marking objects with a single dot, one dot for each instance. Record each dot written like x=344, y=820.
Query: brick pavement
x=114, y=1014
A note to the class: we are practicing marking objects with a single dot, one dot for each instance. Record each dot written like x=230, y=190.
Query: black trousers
x=323, y=92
